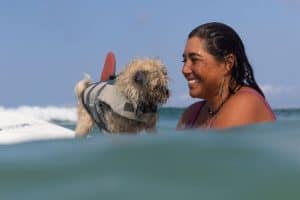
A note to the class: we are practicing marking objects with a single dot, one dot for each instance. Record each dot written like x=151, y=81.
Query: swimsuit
x=195, y=111
x=197, y=107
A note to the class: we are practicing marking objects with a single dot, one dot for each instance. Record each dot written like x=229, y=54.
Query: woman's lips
x=193, y=82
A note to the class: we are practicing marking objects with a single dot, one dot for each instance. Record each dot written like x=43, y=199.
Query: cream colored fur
x=84, y=122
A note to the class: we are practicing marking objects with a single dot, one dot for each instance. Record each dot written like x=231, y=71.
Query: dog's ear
x=141, y=78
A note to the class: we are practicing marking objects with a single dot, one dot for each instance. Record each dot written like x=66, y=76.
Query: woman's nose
x=186, y=69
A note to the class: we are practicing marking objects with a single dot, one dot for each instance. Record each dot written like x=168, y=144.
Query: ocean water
x=254, y=162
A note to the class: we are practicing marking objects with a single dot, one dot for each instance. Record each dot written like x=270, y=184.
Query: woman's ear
x=229, y=62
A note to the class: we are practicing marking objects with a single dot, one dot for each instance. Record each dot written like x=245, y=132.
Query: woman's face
x=202, y=71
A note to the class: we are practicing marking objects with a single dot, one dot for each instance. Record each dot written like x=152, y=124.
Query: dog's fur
x=143, y=81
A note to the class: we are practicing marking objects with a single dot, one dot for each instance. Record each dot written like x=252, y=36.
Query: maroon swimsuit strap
x=195, y=111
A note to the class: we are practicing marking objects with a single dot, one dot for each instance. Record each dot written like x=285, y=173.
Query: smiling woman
x=218, y=71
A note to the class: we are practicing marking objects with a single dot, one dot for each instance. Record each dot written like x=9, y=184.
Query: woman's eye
x=194, y=60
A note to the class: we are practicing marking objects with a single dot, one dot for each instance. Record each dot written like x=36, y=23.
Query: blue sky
x=46, y=46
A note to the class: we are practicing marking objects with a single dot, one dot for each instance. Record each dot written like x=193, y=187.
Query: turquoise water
x=254, y=162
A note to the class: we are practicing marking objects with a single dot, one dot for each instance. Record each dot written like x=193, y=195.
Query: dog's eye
x=141, y=77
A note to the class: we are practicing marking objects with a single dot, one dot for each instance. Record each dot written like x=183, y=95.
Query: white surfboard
x=16, y=128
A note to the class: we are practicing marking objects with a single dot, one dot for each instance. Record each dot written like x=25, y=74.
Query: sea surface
x=254, y=162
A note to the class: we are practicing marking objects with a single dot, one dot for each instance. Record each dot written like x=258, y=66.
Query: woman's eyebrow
x=192, y=54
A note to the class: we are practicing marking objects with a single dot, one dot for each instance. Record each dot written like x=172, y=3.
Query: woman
x=218, y=71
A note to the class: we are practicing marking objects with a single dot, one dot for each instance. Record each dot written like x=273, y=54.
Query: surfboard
x=109, y=68
x=16, y=128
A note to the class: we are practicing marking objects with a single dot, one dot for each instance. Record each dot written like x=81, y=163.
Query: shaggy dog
x=127, y=103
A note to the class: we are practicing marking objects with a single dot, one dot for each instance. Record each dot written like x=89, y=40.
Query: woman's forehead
x=195, y=45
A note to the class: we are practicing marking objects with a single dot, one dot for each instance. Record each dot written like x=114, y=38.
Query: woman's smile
x=193, y=82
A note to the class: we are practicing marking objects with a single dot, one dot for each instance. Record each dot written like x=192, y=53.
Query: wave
x=259, y=162
x=65, y=113
x=48, y=113
x=68, y=113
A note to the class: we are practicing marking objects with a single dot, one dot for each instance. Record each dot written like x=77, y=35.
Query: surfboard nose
x=109, y=68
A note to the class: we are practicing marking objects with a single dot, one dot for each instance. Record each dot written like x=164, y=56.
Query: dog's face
x=145, y=81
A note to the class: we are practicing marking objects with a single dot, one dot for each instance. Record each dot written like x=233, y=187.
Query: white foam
x=15, y=128
x=47, y=113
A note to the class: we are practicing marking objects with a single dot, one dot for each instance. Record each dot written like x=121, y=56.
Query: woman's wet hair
x=220, y=41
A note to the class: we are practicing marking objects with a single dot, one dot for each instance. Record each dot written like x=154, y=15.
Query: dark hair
x=221, y=40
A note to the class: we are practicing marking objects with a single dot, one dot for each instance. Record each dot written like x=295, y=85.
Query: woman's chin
x=194, y=94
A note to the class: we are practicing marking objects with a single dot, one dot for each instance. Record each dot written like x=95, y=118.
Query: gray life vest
x=100, y=97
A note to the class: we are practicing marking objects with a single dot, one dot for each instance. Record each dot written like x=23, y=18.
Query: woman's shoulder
x=247, y=97
x=246, y=106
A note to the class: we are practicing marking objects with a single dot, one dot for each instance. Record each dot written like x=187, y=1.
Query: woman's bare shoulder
x=246, y=95
x=247, y=99
x=245, y=107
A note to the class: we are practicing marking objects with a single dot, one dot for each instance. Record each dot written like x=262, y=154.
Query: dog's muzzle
x=102, y=97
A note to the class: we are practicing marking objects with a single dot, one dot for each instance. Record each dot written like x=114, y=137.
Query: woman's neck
x=216, y=103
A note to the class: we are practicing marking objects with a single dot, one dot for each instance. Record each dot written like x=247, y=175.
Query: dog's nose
x=167, y=92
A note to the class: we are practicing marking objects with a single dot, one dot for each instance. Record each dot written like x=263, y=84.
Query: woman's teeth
x=193, y=81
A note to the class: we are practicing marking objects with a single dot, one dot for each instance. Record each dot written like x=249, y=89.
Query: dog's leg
x=84, y=121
